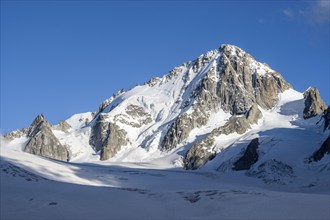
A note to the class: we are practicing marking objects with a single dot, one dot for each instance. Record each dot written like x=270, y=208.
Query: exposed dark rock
x=249, y=158
x=267, y=89
x=38, y=123
x=202, y=151
x=43, y=142
x=254, y=114
x=323, y=150
x=99, y=132
x=326, y=117
x=115, y=140
x=198, y=156
x=107, y=137
x=240, y=86
x=178, y=131
x=314, y=105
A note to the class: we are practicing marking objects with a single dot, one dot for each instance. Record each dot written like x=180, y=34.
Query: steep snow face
x=80, y=120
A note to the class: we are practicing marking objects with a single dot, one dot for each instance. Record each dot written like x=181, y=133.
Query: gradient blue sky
x=64, y=57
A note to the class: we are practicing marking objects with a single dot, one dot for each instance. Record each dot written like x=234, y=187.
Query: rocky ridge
x=203, y=151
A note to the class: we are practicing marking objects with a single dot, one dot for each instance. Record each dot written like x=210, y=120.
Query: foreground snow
x=47, y=189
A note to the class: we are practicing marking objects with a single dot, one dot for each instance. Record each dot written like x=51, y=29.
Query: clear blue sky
x=64, y=57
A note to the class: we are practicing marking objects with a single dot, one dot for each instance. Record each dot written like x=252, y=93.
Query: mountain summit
x=224, y=111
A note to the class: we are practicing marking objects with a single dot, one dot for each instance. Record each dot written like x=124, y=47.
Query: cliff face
x=314, y=105
x=43, y=142
x=107, y=137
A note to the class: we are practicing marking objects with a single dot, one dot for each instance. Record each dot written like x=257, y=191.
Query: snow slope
x=42, y=188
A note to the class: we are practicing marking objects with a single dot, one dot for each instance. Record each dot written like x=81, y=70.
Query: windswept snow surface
x=79, y=120
x=39, y=188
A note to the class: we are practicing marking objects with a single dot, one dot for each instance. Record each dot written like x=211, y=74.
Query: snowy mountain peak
x=203, y=113
x=234, y=50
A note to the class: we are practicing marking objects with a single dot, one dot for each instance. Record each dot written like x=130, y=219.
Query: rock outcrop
x=326, y=118
x=314, y=105
x=321, y=152
x=16, y=134
x=205, y=101
x=235, y=83
x=107, y=137
x=134, y=116
x=178, y=131
x=43, y=142
x=202, y=151
x=249, y=158
x=62, y=126
x=245, y=81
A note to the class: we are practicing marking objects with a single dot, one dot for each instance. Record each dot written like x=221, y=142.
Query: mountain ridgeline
x=223, y=105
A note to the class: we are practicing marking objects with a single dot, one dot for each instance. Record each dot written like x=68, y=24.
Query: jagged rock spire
x=314, y=104
x=43, y=142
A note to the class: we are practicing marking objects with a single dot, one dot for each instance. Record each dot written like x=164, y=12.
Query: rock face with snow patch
x=179, y=130
x=107, y=137
x=202, y=151
x=138, y=115
x=43, y=142
x=62, y=126
x=314, y=105
x=234, y=84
